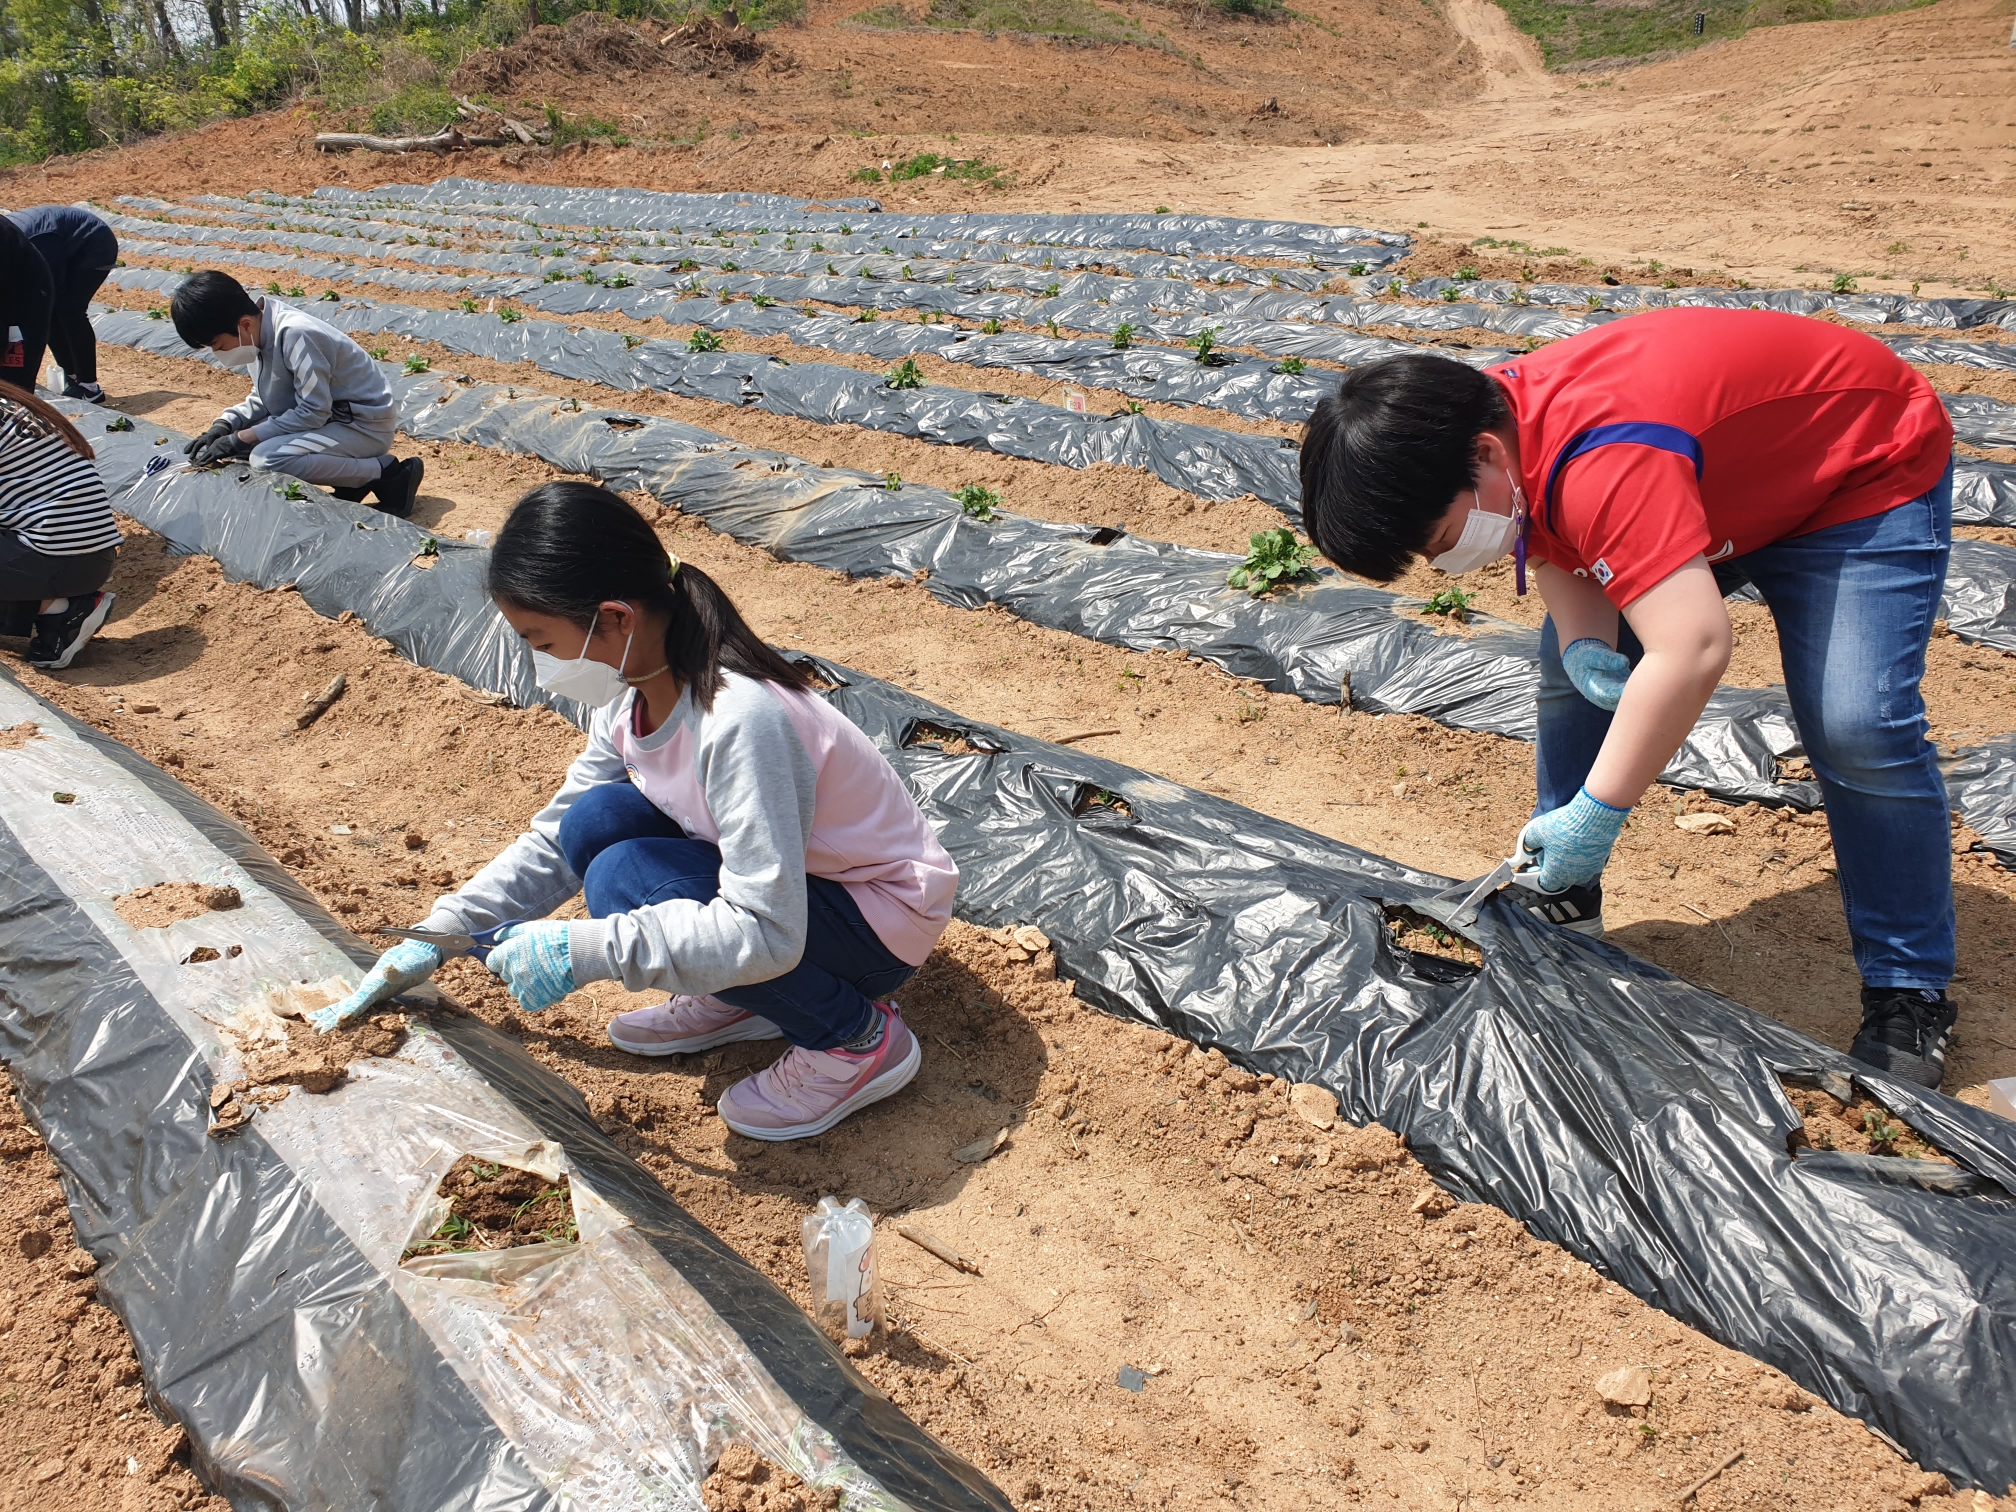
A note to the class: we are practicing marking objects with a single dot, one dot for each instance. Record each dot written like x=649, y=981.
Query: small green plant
x=292, y=489
x=703, y=340
x=1050, y=289
x=1449, y=296
x=273, y=288
x=466, y=306
x=892, y=481
x=761, y=301
x=378, y=354
x=1356, y=270
x=1897, y=249
x=617, y=281
x=1123, y=334
x=1844, y=283
x=1205, y=342
x=590, y=277
x=905, y=375
x=1451, y=602
x=157, y=312
x=1466, y=274
x=731, y=267
x=866, y=175
x=417, y=364
x=1595, y=301
x=866, y=317
x=122, y=423
x=1293, y=367
x=510, y=314
x=1052, y=324
x=1273, y=558
x=1161, y=209
x=556, y=275
x=687, y=265
x=631, y=343
x=329, y=296
x=1883, y=1134
x=978, y=501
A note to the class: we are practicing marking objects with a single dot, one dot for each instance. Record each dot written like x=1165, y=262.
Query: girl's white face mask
x=588, y=682
x=243, y=355
x=1486, y=536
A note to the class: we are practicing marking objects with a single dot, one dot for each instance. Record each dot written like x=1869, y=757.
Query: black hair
x=207, y=305
x=568, y=547
x=1386, y=455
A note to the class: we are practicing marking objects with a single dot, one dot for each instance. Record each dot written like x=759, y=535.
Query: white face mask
x=243, y=355
x=592, y=683
x=1486, y=536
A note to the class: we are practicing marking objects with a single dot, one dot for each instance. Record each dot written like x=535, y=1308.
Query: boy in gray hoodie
x=319, y=410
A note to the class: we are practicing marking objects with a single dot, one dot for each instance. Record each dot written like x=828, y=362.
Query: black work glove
x=197, y=443
x=219, y=449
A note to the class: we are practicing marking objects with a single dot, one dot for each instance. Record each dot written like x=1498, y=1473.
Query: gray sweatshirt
x=309, y=375
x=786, y=787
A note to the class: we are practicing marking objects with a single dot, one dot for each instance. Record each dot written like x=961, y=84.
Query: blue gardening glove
x=1599, y=674
x=533, y=961
x=405, y=965
x=1573, y=843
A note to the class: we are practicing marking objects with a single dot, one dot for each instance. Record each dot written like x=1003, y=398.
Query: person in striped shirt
x=57, y=535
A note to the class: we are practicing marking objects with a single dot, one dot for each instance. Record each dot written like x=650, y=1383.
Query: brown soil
x=16, y=736
x=166, y=903
x=1861, y=1126
x=743, y=1481
x=79, y=1433
x=314, y=1062
x=494, y=1207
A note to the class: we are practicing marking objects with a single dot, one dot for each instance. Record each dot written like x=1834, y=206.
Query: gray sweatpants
x=336, y=456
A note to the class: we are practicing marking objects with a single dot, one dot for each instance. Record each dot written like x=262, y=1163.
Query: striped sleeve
x=53, y=499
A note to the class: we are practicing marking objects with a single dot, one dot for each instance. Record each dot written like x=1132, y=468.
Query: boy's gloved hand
x=1599, y=674
x=220, y=448
x=1573, y=842
x=533, y=961
x=404, y=965
x=197, y=443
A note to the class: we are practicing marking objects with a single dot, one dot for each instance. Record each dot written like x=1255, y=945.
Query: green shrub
x=978, y=501
x=905, y=375
x=703, y=340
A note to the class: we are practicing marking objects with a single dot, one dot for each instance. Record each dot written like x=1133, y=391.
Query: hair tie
x=672, y=570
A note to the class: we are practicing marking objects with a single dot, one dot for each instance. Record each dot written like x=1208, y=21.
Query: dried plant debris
x=316, y=1063
x=493, y=1207
x=743, y=1481
x=1862, y=1126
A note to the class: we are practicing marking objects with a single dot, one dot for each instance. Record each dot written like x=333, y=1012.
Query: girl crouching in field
x=739, y=843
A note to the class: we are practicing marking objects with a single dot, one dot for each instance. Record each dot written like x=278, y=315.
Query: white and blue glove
x=1599, y=674
x=1573, y=843
x=534, y=962
x=406, y=964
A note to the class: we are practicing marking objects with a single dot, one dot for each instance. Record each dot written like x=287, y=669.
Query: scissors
x=1472, y=895
x=478, y=943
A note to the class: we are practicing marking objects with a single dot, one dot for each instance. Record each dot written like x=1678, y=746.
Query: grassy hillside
x=1572, y=32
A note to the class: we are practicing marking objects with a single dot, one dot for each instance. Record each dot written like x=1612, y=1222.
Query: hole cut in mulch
x=743, y=1481
x=13, y=737
x=1424, y=936
x=494, y=1207
x=314, y=1062
x=1861, y=1127
x=164, y=903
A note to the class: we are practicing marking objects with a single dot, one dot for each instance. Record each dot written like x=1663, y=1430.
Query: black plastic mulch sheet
x=1631, y=1117
x=262, y=1275
x=1982, y=782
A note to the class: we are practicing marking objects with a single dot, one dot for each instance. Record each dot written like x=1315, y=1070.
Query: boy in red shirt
x=1641, y=470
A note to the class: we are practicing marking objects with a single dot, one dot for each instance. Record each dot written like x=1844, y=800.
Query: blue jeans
x=1854, y=605
x=629, y=855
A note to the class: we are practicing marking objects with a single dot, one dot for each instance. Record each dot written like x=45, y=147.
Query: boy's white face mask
x=592, y=683
x=1486, y=536
x=243, y=355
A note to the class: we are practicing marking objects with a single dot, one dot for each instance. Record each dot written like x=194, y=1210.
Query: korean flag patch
x=1602, y=570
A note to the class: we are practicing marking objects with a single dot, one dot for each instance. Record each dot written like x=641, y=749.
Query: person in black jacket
x=25, y=295
x=79, y=249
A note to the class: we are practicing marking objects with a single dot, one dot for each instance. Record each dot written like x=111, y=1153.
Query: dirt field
x=1310, y=1324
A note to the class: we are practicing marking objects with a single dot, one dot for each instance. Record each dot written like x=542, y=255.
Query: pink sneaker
x=809, y=1091
x=681, y=1025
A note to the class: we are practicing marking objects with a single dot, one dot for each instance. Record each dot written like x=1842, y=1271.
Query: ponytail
x=569, y=547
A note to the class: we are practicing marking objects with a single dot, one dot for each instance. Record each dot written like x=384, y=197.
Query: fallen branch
x=925, y=1240
x=472, y=112
x=1685, y=1496
x=447, y=140
x=1081, y=735
x=319, y=705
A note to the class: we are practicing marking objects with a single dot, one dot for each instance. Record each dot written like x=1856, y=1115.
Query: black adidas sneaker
x=1904, y=1032
x=1576, y=908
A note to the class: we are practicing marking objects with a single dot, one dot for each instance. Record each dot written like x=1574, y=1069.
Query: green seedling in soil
x=1123, y=334
x=991, y=327
x=832, y=270
x=631, y=343
x=1134, y=406
x=510, y=314
x=467, y=306
x=292, y=490
x=273, y=288
x=1161, y=209
x=729, y=267
x=330, y=296
x=978, y=501
x=1050, y=290
x=417, y=364
x=1273, y=558
x=379, y=354
x=704, y=340
x=430, y=547
x=157, y=312
x=866, y=317
x=1466, y=274
x=1883, y=1134
x=892, y=481
x=1595, y=301
x=617, y=281
x=1452, y=602
x=1052, y=323
x=1356, y=270
x=905, y=375
x=1205, y=342
x=1844, y=283
x=590, y=276
x=761, y=301
x=687, y=265
x=1293, y=367
x=554, y=275
x=123, y=423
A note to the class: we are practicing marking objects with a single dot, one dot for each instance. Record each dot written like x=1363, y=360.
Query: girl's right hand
x=404, y=965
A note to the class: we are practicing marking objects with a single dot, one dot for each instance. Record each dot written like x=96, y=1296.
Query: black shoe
x=90, y=391
x=1904, y=1032
x=59, y=637
x=399, y=485
x=352, y=495
x=1576, y=908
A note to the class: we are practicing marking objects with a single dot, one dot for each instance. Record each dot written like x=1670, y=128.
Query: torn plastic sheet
x=261, y=1275
x=1630, y=1117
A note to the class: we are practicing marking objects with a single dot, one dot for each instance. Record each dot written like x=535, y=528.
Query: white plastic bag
x=840, y=1259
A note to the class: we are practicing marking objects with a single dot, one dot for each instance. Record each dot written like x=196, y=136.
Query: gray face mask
x=588, y=682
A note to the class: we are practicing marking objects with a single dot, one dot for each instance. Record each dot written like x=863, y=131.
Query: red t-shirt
x=1716, y=432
